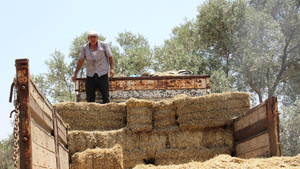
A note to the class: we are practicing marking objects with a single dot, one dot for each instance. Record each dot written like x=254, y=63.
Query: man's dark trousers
x=92, y=83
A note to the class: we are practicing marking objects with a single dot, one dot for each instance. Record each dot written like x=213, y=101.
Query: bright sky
x=33, y=29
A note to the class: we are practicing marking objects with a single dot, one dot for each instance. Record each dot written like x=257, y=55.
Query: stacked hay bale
x=98, y=159
x=166, y=132
x=92, y=116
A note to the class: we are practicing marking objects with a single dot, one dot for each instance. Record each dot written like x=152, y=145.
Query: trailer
x=43, y=135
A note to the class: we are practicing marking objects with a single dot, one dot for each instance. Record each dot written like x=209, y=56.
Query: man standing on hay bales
x=97, y=55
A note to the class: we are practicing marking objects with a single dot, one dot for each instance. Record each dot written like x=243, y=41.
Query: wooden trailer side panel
x=256, y=132
x=46, y=144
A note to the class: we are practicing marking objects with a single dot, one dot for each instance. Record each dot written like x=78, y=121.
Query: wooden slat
x=43, y=147
x=40, y=99
x=253, y=144
x=250, y=118
x=273, y=116
x=249, y=131
x=39, y=114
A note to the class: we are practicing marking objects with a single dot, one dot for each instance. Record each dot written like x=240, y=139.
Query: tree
x=57, y=82
x=135, y=56
x=290, y=129
x=267, y=58
x=217, y=25
x=6, y=153
x=180, y=51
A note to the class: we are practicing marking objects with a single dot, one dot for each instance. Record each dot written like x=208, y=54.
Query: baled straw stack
x=133, y=157
x=218, y=137
x=180, y=156
x=212, y=110
x=82, y=140
x=163, y=114
x=98, y=159
x=92, y=116
x=228, y=162
x=151, y=142
x=139, y=115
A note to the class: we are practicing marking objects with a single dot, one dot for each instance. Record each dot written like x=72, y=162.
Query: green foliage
x=6, y=153
x=290, y=130
x=57, y=82
x=180, y=51
x=135, y=56
x=217, y=24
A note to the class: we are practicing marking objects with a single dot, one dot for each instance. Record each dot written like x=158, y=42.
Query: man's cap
x=92, y=33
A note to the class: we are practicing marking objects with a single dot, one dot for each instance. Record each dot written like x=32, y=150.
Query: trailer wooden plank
x=39, y=114
x=64, y=156
x=42, y=146
x=252, y=129
x=258, y=127
x=250, y=117
x=273, y=117
x=252, y=144
x=37, y=140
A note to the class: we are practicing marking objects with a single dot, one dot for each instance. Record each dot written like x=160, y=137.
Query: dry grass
x=213, y=110
x=228, y=162
x=92, y=116
x=139, y=115
x=98, y=159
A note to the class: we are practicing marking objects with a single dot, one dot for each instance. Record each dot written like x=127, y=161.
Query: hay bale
x=92, y=116
x=82, y=140
x=228, y=162
x=133, y=157
x=212, y=110
x=163, y=114
x=139, y=115
x=98, y=158
x=186, y=139
x=180, y=156
x=151, y=142
x=218, y=137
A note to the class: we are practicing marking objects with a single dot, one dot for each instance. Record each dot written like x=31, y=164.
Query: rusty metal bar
x=23, y=76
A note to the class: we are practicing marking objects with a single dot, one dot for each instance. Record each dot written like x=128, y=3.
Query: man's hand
x=74, y=77
x=112, y=72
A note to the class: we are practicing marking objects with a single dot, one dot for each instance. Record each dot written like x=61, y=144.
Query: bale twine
x=214, y=110
x=139, y=115
x=92, y=116
x=98, y=158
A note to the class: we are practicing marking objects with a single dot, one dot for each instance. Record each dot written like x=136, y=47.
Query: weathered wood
x=254, y=128
x=43, y=147
x=256, y=132
x=253, y=144
x=23, y=76
x=56, y=139
x=43, y=135
x=273, y=116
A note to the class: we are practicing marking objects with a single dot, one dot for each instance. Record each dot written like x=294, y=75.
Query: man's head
x=93, y=37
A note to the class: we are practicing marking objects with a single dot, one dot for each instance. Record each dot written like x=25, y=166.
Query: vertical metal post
x=23, y=79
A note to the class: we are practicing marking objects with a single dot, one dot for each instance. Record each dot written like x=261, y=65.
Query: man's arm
x=111, y=63
x=79, y=64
